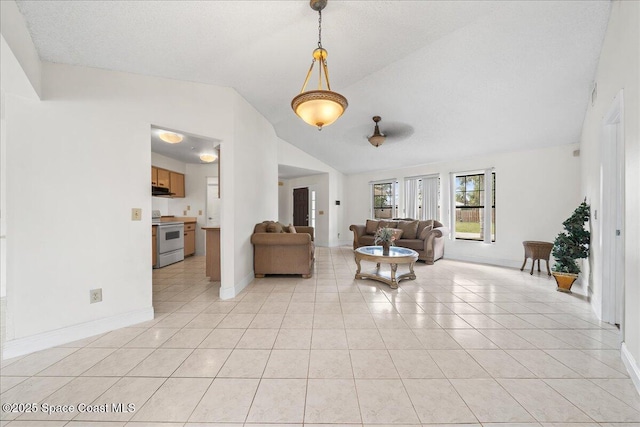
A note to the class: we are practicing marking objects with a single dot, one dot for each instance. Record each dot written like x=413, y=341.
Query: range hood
x=161, y=191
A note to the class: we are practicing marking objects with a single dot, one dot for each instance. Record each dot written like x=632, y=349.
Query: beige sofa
x=277, y=250
x=424, y=237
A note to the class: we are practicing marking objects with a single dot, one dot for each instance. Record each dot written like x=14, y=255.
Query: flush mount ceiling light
x=319, y=107
x=208, y=158
x=170, y=137
x=377, y=139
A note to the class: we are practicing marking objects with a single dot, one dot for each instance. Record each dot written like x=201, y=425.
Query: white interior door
x=612, y=203
x=213, y=202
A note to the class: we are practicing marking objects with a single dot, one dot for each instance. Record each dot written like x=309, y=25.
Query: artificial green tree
x=573, y=243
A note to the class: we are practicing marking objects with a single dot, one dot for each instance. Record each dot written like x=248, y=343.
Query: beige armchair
x=425, y=237
x=280, y=252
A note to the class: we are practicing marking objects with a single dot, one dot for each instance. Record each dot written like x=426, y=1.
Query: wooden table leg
x=548, y=271
x=533, y=264
x=394, y=283
x=523, y=263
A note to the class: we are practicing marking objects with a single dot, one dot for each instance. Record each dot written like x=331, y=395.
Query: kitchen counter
x=185, y=219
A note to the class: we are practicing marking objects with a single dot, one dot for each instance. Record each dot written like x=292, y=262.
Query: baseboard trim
x=231, y=292
x=44, y=340
x=631, y=365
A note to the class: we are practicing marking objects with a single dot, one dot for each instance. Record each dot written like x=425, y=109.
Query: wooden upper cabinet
x=154, y=176
x=174, y=181
x=164, y=179
x=176, y=184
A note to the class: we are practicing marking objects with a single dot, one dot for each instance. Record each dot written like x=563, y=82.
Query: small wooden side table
x=536, y=251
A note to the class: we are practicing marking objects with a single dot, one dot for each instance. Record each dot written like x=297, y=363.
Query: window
x=474, y=194
x=422, y=197
x=313, y=208
x=385, y=199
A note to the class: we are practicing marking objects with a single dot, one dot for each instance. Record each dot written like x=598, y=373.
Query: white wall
x=86, y=150
x=535, y=191
x=327, y=234
x=249, y=191
x=618, y=69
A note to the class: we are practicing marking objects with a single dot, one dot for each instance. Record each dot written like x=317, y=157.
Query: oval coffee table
x=396, y=256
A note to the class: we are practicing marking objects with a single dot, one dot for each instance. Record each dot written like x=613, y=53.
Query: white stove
x=170, y=248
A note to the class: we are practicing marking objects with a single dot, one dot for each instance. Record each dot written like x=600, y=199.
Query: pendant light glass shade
x=319, y=107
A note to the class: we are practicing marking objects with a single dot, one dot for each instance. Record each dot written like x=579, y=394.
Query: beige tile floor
x=462, y=344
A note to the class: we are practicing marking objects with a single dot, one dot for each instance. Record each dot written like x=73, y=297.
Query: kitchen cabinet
x=164, y=178
x=176, y=184
x=174, y=181
x=189, y=238
x=154, y=245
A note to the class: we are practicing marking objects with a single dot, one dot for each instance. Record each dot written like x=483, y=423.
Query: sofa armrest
x=434, y=244
x=282, y=239
x=304, y=229
x=358, y=230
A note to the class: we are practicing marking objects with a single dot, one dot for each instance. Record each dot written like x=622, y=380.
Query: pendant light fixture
x=319, y=107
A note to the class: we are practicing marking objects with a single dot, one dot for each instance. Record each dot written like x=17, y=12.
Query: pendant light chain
x=320, y=28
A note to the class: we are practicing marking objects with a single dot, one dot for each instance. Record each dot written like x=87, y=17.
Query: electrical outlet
x=95, y=295
x=184, y=213
x=188, y=207
x=200, y=212
x=136, y=214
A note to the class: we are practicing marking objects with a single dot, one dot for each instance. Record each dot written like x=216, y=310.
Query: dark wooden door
x=301, y=206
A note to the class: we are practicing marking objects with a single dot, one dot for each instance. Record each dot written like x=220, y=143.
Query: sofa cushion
x=425, y=232
x=422, y=225
x=397, y=233
x=415, y=244
x=274, y=227
x=388, y=224
x=292, y=229
x=261, y=228
x=285, y=227
x=366, y=240
x=409, y=229
x=371, y=227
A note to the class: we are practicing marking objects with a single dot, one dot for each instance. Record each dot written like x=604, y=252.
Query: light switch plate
x=136, y=214
x=200, y=212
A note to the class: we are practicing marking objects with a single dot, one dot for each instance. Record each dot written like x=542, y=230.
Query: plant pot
x=564, y=281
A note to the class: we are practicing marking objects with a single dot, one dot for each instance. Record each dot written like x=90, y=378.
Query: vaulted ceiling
x=460, y=78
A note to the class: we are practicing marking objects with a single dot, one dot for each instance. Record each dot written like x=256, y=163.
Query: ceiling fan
x=395, y=131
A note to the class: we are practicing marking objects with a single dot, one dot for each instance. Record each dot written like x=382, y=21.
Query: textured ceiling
x=466, y=78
